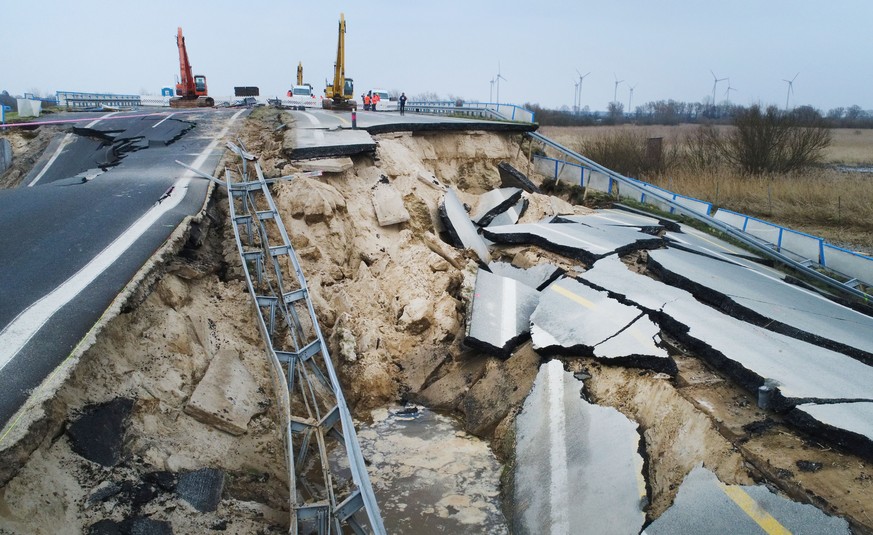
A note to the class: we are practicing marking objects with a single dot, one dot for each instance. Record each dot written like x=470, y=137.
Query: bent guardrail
x=315, y=417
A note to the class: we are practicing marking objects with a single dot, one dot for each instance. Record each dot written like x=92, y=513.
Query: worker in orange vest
x=367, y=102
x=376, y=99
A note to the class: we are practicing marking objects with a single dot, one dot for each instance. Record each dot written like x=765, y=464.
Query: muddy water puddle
x=430, y=476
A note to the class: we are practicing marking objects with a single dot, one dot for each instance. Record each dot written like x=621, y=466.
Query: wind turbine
x=499, y=77
x=575, y=97
x=491, y=94
x=631, y=97
x=727, y=93
x=579, y=89
x=715, y=81
x=790, y=88
x=615, y=92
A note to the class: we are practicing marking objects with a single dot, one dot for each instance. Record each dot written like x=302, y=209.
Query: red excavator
x=191, y=90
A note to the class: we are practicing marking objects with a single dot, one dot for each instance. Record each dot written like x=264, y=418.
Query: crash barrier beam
x=312, y=406
x=75, y=100
x=504, y=112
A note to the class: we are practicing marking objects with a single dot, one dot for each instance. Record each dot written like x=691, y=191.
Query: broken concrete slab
x=306, y=143
x=388, y=204
x=326, y=165
x=706, y=505
x=766, y=301
x=537, y=277
x=510, y=177
x=512, y=215
x=800, y=372
x=227, y=397
x=615, y=218
x=98, y=434
x=459, y=227
x=848, y=424
x=201, y=488
x=574, y=240
x=573, y=319
x=493, y=203
x=501, y=314
x=574, y=461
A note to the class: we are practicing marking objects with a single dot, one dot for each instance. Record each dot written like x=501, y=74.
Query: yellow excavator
x=339, y=95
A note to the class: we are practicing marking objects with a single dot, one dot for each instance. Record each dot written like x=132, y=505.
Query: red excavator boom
x=191, y=89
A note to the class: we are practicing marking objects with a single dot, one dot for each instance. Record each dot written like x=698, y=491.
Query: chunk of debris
x=537, y=277
x=227, y=397
x=706, y=505
x=326, y=165
x=574, y=461
x=574, y=240
x=201, y=488
x=459, y=227
x=495, y=202
x=98, y=434
x=510, y=177
x=512, y=215
x=388, y=204
x=615, y=218
x=501, y=314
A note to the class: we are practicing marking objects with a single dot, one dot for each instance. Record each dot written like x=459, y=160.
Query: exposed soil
x=27, y=146
x=392, y=301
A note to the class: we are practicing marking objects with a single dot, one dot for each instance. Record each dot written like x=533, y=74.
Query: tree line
x=673, y=112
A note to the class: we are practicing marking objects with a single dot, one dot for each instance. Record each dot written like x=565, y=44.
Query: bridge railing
x=77, y=100
x=490, y=110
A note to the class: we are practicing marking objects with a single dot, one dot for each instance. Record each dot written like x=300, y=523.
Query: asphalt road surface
x=73, y=235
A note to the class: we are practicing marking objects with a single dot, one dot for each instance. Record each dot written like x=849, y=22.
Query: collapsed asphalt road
x=83, y=224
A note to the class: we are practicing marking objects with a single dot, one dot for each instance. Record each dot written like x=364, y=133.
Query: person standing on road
x=367, y=102
x=376, y=99
x=402, y=103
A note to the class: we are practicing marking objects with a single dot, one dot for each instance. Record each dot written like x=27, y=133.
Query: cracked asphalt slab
x=767, y=302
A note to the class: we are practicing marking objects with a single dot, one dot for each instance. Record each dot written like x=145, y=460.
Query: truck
x=302, y=95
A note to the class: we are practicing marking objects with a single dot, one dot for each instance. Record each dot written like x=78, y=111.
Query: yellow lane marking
x=570, y=295
x=754, y=511
x=342, y=120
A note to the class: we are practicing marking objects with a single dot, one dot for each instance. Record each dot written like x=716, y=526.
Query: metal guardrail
x=328, y=498
x=678, y=207
x=491, y=110
x=76, y=100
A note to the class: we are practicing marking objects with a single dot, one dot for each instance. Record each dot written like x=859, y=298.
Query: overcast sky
x=666, y=49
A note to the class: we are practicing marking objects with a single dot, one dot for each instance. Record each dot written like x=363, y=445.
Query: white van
x=385, y=102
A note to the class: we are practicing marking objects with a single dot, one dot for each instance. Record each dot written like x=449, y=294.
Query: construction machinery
x=300, y=73
x=340, y=95
x=191, y=89
x=301, y=96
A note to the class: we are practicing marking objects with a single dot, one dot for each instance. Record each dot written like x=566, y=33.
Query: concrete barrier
x=731, y=218
x=29, y=108
x=803, y=245
x=848, y=263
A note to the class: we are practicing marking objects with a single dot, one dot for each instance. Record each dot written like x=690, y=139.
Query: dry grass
x=837, y=206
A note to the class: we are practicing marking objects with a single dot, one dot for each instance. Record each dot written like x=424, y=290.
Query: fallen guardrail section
x=326, y=495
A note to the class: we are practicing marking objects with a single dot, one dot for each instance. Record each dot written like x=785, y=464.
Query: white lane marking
x=508, y=304
x=558, y=498
x=22, y=329
x=164, y=119
x=61, y=147
x=312, y=118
